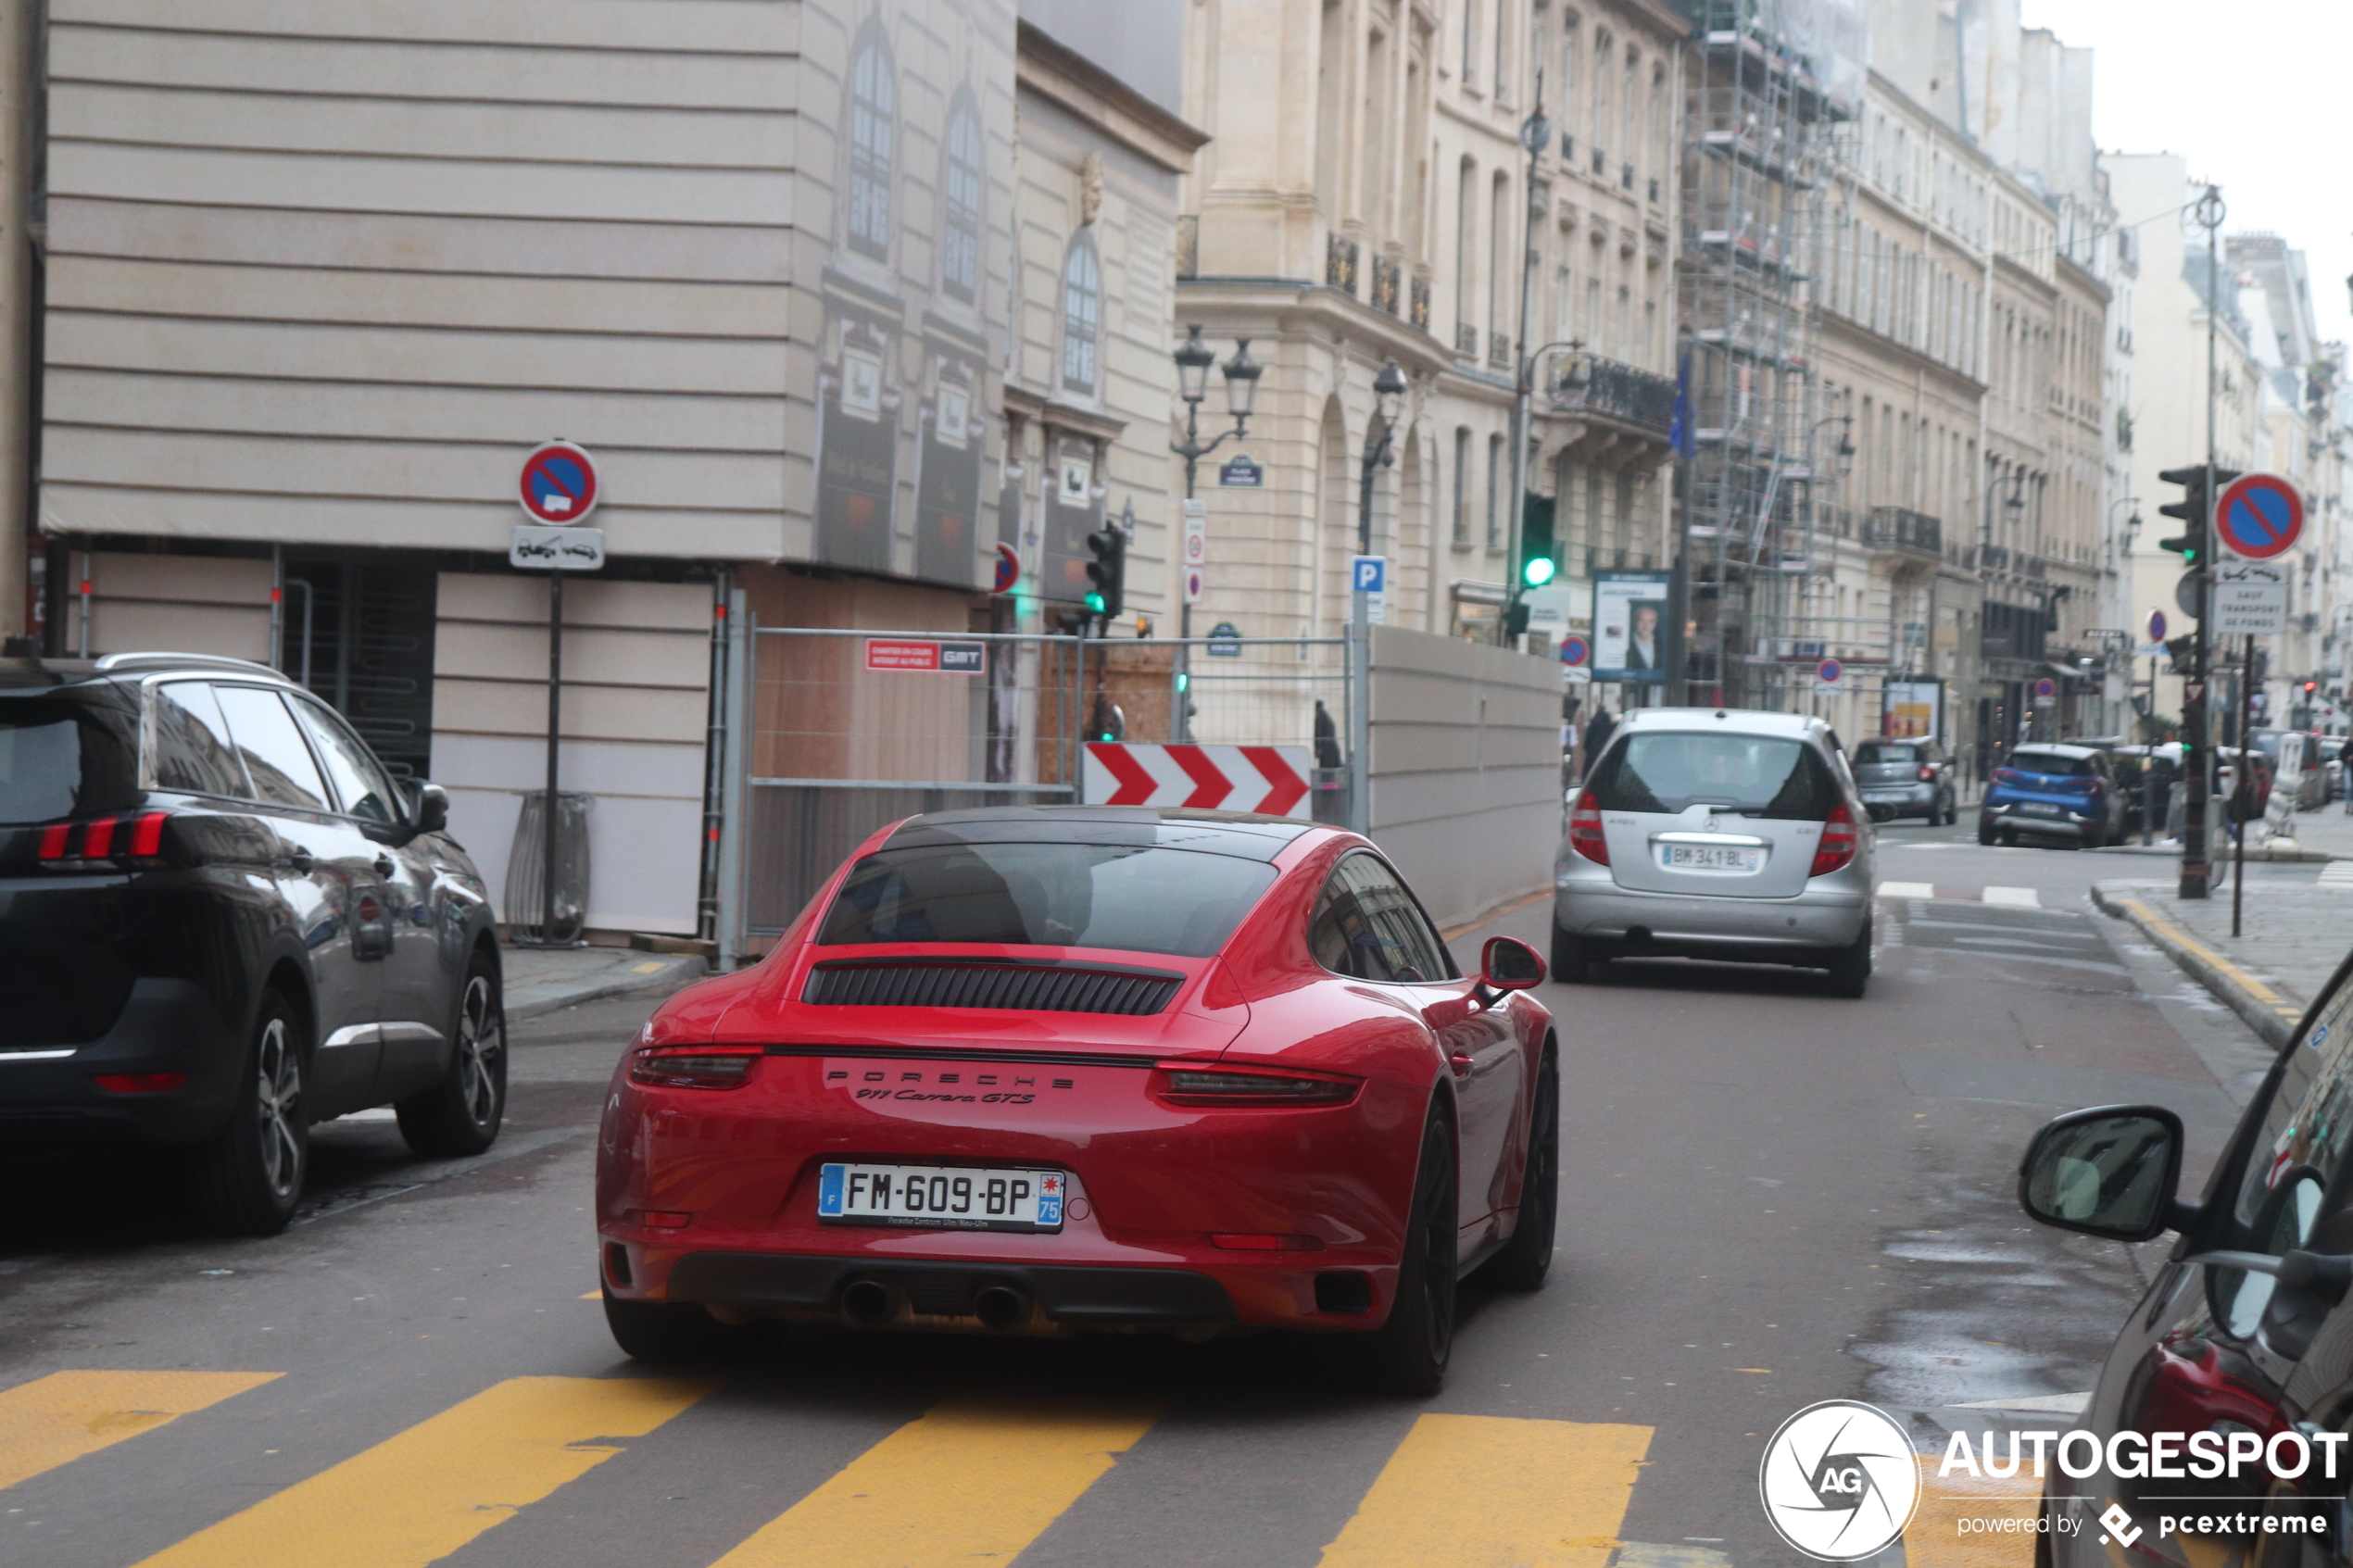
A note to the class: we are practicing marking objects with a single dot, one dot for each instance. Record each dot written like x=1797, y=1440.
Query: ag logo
x=1839, y=1481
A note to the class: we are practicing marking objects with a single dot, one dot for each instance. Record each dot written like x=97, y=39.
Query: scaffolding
x=1767, y=83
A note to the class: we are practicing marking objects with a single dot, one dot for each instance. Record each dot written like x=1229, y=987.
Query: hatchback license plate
x=2038, y=808
x=1709, y=858
x=962, y=1198
x=1885, y=796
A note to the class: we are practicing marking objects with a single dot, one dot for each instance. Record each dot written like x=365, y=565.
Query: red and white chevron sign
x=1268, y=778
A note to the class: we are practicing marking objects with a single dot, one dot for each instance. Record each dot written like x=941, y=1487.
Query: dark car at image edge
x=221, y=922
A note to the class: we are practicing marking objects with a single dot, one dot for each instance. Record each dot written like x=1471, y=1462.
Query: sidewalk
x=543, y=980
x=2296, y=931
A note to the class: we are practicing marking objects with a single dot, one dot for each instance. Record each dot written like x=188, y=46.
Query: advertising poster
x=1913, y=708
x=1631, y=627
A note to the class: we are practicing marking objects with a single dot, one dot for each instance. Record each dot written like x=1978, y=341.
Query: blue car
x=2048, y=791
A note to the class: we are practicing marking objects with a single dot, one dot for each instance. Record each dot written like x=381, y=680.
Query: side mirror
x=1507, y=964
x=433, y=808
x=2111, y=1171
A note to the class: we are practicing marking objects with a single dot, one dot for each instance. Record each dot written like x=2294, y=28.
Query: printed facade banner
x=1631, y=625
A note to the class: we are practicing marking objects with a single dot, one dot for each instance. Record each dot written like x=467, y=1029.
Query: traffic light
x=1111, y=722
x=1107, y=572
x=1537, y=564
x=2195, y=508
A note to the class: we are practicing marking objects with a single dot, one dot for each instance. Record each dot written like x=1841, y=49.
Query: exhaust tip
x=1000, y=1306
x=869, y=1302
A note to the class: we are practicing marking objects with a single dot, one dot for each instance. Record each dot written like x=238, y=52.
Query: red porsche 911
x=1049, y=1069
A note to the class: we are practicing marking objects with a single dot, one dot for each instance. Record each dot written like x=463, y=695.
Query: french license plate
x=1885, y=796
x=2038, y=808
x=961, y=1198
x=1709, y=858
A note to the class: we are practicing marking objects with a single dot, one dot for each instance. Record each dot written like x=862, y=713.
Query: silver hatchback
x=1717, y=833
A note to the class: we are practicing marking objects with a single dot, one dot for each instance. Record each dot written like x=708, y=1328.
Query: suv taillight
x=1585, y=833
x=130, y=841
x=1838, y=842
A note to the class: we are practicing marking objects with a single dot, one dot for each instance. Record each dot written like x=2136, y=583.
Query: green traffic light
x=1184, y=681
x=1538, y=572
x=1095, y=603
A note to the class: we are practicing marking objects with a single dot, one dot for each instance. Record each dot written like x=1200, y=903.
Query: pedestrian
x=1327, y=737
x=1597, y=732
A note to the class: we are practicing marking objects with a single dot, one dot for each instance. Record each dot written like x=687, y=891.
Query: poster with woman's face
x=1631, y=628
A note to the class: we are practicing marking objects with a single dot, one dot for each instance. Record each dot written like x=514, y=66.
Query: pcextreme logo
x=1839, y=1481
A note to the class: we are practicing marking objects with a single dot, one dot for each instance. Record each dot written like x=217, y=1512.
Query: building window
x=960, y=244
x=1462, y=486
x=1494, y=492
x=873, y=133
x=1082, y=314
x=1470, y=43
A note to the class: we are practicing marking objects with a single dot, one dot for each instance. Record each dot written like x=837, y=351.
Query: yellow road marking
x=1935, y=1538
x=56, y=1419
x=974, y=1481
x=2263, y=992
x=1487, y=1488
x=418, y=1497
x=648, y=967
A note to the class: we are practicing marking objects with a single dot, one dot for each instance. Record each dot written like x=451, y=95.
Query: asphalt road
x=1771, y=1196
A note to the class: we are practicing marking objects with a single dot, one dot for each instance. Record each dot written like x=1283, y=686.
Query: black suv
x=221, y=920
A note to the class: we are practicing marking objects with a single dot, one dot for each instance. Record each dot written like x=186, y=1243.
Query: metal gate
x=839, y=732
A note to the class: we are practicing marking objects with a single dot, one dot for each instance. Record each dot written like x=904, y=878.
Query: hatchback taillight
x=1837, y=846
x=2007, y=776
x=122, y=840
x=1585, y=835
x=1928, y=775
x=694, y=1067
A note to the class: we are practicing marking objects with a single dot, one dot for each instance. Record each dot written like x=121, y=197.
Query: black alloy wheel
x=1528, y=1256
x=1408, y=1354
x=461, y=1114
x=249, y=1180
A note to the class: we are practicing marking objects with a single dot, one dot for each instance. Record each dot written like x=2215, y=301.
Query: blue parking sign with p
x=1369, y=574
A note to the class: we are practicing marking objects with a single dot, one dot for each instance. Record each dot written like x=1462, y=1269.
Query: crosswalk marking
x=2338, y=873
x=972, y=1481
x=421, y=1495
x=56, y=1419
x=1934, y=1538
x=1907, y=890
x=2017, y=898
x=1488, y=1488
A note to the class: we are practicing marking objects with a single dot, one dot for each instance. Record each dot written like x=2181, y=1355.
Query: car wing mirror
x=1506, y=963
x=433, y=808
x=2109, y=1172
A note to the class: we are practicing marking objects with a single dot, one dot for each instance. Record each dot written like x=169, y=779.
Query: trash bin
x=527, y=865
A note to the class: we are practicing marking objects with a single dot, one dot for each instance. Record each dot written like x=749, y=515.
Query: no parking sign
x=558, y=483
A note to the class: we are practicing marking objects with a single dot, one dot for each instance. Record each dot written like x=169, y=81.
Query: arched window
x=873, y=138
x=960, y=243
x=1082, y=314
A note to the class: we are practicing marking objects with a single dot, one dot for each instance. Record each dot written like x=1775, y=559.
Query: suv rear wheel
x=249, y=1180
x=461, y=1114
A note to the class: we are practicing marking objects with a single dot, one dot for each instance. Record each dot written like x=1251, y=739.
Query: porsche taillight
x=693, y=1067
x=1837, y=846
x=1249, y=1088
x=1585, y=835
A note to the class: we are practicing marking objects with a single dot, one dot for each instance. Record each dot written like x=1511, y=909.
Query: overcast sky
x=2251, y=92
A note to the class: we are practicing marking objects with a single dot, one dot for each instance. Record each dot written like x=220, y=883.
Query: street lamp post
x=2196, y=869
x=1535, y=135
x=1388, y=398
x=1241, y=372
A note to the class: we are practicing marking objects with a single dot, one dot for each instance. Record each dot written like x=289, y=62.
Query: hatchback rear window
x=1754, y=775
x=57, y=758
x=2052, y=765
x=1879, y=751
x=1145, y=900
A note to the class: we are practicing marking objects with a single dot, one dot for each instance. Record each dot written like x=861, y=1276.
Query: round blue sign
x=1574, y=650
x=2157, y=626
x=1829, y=672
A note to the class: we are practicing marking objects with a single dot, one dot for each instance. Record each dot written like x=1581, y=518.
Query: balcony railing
x=1420, y=306
x=1586, y=384
x=1499, y=348
x=1340, y=263
x=1466, y=338
x=1385, y=277
x=1898, y=528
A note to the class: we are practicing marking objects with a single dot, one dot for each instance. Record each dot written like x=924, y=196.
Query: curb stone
x=552, y=996
x=2270, y=1009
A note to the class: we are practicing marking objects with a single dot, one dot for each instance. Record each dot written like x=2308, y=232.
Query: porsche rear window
x=1143, y=900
